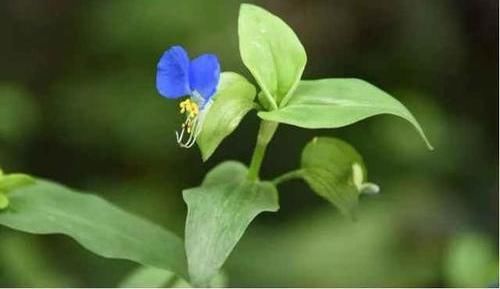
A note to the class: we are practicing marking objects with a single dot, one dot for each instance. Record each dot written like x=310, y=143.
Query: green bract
x=233, y=100
x=219, y=211
x=335, y=171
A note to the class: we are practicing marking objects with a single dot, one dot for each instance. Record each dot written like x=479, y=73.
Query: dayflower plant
x=333, y=169
x=178, y=76
x=232, y=194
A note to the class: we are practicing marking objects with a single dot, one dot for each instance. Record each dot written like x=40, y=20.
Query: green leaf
x=233, y=100
x=13, y=181
x=49, y=208
x=331, y=103
x=272, y=52
x=334, y=170
x=219, y=211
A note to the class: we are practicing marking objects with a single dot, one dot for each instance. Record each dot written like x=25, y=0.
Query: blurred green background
x=78, y=105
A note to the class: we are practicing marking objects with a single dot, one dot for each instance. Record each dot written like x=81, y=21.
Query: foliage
x=49, y=208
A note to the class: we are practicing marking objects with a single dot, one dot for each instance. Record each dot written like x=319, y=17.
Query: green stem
x=266, y=132
x=296, y=174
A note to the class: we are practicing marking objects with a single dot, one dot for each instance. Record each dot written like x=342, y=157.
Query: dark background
x=78, y=105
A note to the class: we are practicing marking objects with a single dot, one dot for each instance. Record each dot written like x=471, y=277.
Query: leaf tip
x=429, y=146
x=424, y=137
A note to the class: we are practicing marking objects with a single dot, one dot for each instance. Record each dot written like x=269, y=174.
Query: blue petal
x=204, y=73
x=172, y=74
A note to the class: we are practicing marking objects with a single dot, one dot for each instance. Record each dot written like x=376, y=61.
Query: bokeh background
x=78, y=105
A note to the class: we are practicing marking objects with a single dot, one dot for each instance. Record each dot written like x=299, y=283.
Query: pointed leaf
x=219, y=211
x=234, y=98
x=271, y=51
x=331, y=103
x=99, y=226
x=334, y=170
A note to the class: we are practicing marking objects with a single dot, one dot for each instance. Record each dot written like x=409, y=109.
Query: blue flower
x=178, y=76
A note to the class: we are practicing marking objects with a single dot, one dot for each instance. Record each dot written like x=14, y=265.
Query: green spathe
x=327, y=166
x=233, y=100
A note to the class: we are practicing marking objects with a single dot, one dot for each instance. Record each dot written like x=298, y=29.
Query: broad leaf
x=219, y=211
x=233, y=100
x=271, y=51
x=331, y=103
x=48, y=208
x=334, y=170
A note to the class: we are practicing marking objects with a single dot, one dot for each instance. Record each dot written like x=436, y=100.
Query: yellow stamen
x=191, y=110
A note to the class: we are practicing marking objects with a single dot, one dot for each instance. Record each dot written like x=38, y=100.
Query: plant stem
x=266, y=132
x=296, y=174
